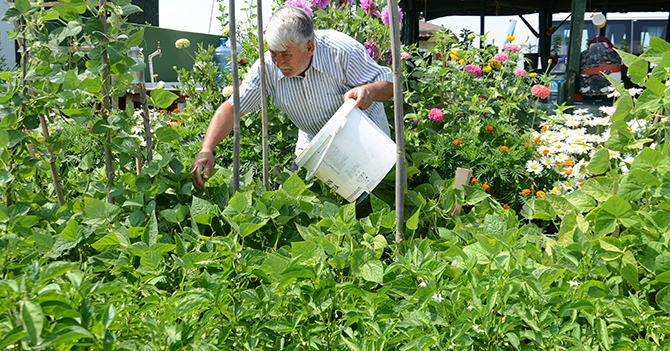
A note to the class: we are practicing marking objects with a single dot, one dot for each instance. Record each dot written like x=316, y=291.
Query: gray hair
x=289, y=25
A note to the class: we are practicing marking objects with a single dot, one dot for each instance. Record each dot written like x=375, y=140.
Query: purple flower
x=373, y=49
x=500, y=57
x=510, y=47
x=367, y=5
x=303, y=4
x=520, y=72
x=474, y=69
x=343, y=3
x=87, y=127
x=436, y=115
x=375, y=14
x=320, y=4
x=385, y=15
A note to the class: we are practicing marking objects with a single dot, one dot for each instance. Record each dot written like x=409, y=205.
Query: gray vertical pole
x=236, y=96
x=399, y=121
x=264, y=99
x=575, y=48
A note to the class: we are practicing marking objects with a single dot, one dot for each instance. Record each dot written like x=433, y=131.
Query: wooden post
x=264, y=98
x=400, y=173
x=574, y=49
x=52, y=162
x=236, y=96
x=109, y=169
x=462, y=178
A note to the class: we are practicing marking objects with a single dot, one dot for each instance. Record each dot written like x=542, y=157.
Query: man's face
x=293, y=61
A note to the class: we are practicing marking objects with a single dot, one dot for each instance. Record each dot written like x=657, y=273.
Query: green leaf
x=56, y=269
x=95, y=208
x=33, y=320
x=600, y=162
x=294, y=186
x=135, y=39
x=663, y=298
x=167, y=134
x=629, y=270
x=107, y=242
x=150, y=234
x=248, y=228
x=638, y=71
x=372, y=271
x=560, y=204
x=657, y=49
x=651, y=160
x=108, y=317
x=12, y=337
x=202, y=210
x=70, y=231
x=4, y=138
x=631, y=188
x=162, y=98
x=581, y=201
x=66, y=335
x=627, y=58
x=413, y=222
x=605, y=223
x=22, y=5
x=600, y=188
x=152, y=261
x=654, y=85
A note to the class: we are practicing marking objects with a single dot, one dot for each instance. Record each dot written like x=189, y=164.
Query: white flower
x=477, y=328
x=608, y=110
x=422, y=284
x=581, y=111
x=656, y=326
x=227, y=91
x=438, y=297
x=614, y=154
x=533, y=166
x=239, y=255
x=574, y=283
x=470, y=307
x=635, y=91
x=182, y=43
x=614, y=94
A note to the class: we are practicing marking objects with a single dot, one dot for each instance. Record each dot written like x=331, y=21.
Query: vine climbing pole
x=236, y=96
x=264, y=99
x=399, y=123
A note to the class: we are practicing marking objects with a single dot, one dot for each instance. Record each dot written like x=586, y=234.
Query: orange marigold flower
x=540, y=194
x=536, y=139
x=489, y=128
x=545, y=151
x=457, y=142
x=544, y=129
x=163, y=111
x=567, y=173
x=41, y=140
x=568, y=163
x=525, y=191
x=473, y=180
x=486, y=187
x=504, y=148
x=505, y=206
x=176, y=110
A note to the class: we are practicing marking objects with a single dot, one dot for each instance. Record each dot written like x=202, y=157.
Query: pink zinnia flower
x=375, y=14
x=320, y=4
x=500, y=57
x=368, y=5
x=373, y=49
x=520, y=72
x=303, y=4
x=343, y=3
x=539, y=91
x=385, y=15
x=474, y=69
x=436, y=115
x=511, y=47
x=405, y=56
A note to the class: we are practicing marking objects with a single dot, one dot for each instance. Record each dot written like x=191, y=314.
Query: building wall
x=7, y=49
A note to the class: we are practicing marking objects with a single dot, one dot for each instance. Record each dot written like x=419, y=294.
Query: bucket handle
x=330, y=138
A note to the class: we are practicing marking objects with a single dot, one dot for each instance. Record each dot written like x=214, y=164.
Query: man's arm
x=219, y=127
x=367, y=93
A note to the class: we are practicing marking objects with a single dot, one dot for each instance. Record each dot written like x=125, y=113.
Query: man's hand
x=362, y=95
x=203, y=162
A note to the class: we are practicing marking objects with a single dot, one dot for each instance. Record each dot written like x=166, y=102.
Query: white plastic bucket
x=350, y=154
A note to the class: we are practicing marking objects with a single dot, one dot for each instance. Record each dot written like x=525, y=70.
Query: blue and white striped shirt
x=339, y=64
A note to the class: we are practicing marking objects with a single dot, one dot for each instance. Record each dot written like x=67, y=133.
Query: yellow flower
x=461, y=61
x=225, y=32
x=533, y=75
x=453, y=54
x=486, y=69
x=227, y=91
x=510, y=38
x=182, y=43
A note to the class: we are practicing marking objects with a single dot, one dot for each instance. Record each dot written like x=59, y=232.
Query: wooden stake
x=400, y=172
x=264, y=99
x=109, y=169
x=462, y=178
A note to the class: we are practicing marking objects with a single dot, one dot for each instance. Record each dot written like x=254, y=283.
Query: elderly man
x=312, y=73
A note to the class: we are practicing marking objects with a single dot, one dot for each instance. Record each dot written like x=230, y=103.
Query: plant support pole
x=52, y=162
x=236, y=97
x=264, y=98
x=399, y=122
x=109, y=170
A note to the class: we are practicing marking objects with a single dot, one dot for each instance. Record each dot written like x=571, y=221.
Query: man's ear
x=309, y=48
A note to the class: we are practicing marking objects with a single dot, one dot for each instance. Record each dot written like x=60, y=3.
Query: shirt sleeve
x=362, y=69
x=250, y=91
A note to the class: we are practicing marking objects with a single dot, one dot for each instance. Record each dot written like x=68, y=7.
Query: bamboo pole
x=52, y=162
x=109, y=170
x=236, y=97
x=264, y=99
x=399, y=123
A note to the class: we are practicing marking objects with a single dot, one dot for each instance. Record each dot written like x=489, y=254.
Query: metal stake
x=264, y=99
x=399, y=122
x=236, y=97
